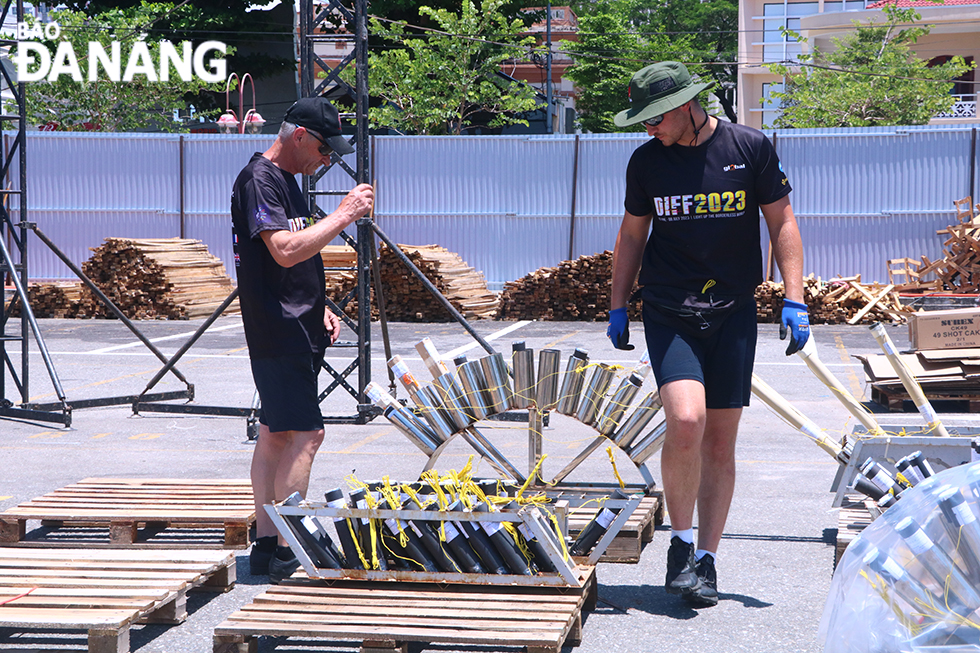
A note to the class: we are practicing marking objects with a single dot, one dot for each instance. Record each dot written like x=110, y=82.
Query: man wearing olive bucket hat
x=700, y=184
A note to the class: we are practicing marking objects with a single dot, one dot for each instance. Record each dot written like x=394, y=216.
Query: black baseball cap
x=317, y=114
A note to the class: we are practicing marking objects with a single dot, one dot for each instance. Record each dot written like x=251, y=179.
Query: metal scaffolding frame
x=318, y=27
x=14, y=268
x=315, y=26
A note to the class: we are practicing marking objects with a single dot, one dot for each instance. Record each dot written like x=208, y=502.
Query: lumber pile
x=339, y=285
x=574, y=290
x=338, y=259
x=406, y=299
x=156, y=278
x=61, y=300
x=839, y=301
x=959, y=268
x=340, y=272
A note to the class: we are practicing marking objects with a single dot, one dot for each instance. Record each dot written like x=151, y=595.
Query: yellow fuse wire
x=612, y=460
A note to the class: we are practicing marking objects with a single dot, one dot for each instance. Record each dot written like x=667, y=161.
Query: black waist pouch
x=698, y=314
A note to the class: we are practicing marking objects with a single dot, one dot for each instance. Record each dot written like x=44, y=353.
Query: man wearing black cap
x=287, y=327
x=700, y=183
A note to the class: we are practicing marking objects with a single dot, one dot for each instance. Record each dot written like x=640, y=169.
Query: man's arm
x=291, y=247
x=787, y=246
x=628, y=256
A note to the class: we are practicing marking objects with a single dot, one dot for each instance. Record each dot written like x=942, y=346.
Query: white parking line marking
x=138, y=343
x=499, y=334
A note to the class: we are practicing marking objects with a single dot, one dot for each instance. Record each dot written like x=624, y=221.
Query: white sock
x=700, y=553
x=686, y=535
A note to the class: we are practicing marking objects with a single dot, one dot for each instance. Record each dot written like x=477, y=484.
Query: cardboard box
x=954, y=329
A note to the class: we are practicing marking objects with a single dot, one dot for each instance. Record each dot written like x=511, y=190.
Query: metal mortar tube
x=547, y=395
x=621, y=399
x=439, y=422
x=638, y=420
x=523, y=362
x=433, y=398
x=963, y=529
x=414, y=430
x=572, y=382
x=910, y=589
x=649, y=445
x=595, y=392
x=451, y=397
x=475, y=401
x=963, y=598
x=498, y=383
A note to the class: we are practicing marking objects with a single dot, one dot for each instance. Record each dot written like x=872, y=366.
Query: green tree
x=105, y=105
x=713, y=30
x=872, y=77
x=228, y=21
x=409, y=11
x=607, y=54
x=446, y=82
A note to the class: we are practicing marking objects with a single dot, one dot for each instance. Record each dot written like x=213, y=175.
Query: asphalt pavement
x=775, y=562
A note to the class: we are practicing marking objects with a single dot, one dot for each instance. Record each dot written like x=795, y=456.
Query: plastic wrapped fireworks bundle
x=910, y=582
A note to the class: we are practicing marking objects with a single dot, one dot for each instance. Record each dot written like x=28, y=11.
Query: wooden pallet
x=856, y=514
x=946, y=400
x=638, y=531
x=384, y=616
x=124, y=504
x=104, y=591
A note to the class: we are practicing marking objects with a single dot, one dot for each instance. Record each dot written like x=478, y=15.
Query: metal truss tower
x=330, y=22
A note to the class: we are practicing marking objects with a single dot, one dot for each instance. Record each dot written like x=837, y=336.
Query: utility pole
x=547, y=120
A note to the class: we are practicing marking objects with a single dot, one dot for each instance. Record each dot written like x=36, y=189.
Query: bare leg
x=265, y=461
x=281, y=465
x=293, y=474
x=680, y=462
x=717, y=486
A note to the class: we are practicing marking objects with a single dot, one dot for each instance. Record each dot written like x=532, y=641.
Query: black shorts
x=720, y=357
x=287, y=388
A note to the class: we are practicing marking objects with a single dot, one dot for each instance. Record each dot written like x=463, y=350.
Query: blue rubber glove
x=619, y=329
x=795, y=320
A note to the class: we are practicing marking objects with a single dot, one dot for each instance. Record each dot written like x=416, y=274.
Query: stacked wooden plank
x=339, y=269
x=959, y=268
x=574, y=290
x=104, y=591
x=124, y=504
x=407, y=300
x=386, y=616
x=338, y=258
x=62, y=299
x=157, y=278
x=856, y=514
x=839, y=301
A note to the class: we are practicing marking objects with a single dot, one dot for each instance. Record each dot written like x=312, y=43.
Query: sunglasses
x=324, y=149
x=653, y=122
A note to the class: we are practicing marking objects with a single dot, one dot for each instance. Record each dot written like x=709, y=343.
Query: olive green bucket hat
x=657, y=89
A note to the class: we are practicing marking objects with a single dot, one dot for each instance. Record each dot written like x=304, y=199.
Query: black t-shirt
x=705, y=206
x=282, y=308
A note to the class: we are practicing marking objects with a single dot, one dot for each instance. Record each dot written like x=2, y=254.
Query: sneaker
x=682, y=577
x=706, y=594
x=279, y=568
x=261, y=555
